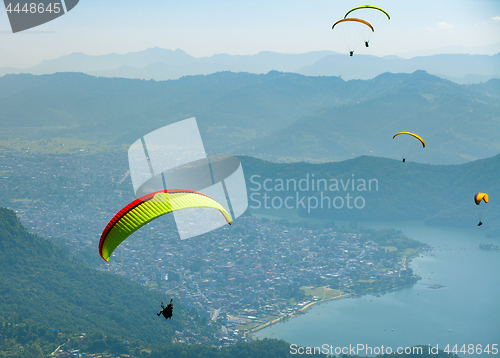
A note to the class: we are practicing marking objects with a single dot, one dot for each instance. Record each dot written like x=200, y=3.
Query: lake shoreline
x=303, y=310
x=294, y=314
x=437, y=316
x=307, y=307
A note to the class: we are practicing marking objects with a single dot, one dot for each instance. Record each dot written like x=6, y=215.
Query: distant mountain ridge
x=438, y=110
x=162, y=64
x=273, y=116
x=460, y=68
x=438, y=194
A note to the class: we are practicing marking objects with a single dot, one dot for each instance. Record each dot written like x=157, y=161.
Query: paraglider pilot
x=351, y=53
x=166, y=311
x=404, y=159
x=480, y=223
x=366, y=44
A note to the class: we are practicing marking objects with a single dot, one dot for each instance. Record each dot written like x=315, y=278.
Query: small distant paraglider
x=408, y=145
x=376, y=16
x=477, y=199
x=352, y=31
x=357, y=23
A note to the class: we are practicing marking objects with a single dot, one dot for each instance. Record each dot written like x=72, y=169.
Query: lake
x=465, y=311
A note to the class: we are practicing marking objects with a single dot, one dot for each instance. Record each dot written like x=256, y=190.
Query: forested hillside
x=276, y=116
x=40, y=284
x=389, y=190
x=458, y=123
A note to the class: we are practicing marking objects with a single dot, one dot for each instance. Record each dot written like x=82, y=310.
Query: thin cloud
x=496, y=18
x=444, y=26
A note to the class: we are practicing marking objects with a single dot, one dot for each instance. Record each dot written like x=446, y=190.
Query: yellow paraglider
x=481, y=197
x=477, y=199
x=407, y=147
x=412, y=134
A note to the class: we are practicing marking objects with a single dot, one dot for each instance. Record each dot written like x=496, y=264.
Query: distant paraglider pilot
x=167, y=311
x=478, y=198
x=348, y=27
x=366, y=44
x=405, y=148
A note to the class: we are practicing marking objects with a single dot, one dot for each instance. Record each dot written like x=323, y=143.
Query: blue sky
x=237, y=27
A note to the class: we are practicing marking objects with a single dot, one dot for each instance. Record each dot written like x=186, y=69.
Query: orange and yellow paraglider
x=477, y=199
x=481, y=197
x=352, y=30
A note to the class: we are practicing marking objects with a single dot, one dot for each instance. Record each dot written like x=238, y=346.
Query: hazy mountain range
x=162, y=64
x=278, y=116
x=440, y=195
x=456, y=121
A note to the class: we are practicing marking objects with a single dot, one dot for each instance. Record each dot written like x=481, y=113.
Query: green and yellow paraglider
x=147, y=208
x=357, y=8
x=376, y=16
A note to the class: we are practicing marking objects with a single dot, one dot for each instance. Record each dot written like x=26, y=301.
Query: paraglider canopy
x=481, y=197
x=477, y=199
x=352, y=31
x=354, y=20
x=408, y=143
x=147, y=208
x=368, y=7
x=375, y=16
x=413, y=135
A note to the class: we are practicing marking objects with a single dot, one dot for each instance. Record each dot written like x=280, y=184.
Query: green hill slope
x=228, y=106
x=388, y=190
x=458, y=124
x=272, y=115
x=39, y=283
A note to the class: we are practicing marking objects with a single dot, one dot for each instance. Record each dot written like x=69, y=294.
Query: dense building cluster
x=244, y=275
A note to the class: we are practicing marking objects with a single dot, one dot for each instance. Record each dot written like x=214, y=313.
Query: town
x=243, y=277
